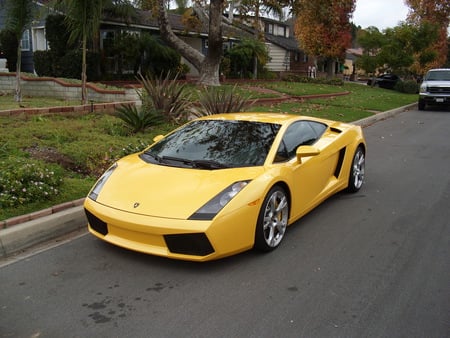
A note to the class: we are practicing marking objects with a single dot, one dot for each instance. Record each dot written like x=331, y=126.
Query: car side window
x=298, y=134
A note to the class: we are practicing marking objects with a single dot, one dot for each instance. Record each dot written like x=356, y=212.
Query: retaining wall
x=46, y=86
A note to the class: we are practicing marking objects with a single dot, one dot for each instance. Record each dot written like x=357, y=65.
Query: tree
x=323, y=28
x=431, y=12
x=208, y=66
x=243, y=54
x=251, y=10
x=18, y=18
x=371, y=40
x=83, y=19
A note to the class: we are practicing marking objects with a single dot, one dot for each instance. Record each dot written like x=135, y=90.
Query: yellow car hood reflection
x=164, y=191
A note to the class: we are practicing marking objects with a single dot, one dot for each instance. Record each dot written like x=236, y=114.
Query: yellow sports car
x=223, y=184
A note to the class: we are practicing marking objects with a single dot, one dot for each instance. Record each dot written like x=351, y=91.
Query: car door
x=312, y=176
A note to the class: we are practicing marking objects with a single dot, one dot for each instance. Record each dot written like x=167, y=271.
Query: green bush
x=47, y=63
x=24, y=181
x=410, y=87
x=167, y=96
x=132, y=148
x=138, y=120
x=9, y=44
x=43, y=62
x=219, y=100
x=336, y=81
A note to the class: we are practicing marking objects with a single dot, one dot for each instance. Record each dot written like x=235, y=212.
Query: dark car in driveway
x=387, y=81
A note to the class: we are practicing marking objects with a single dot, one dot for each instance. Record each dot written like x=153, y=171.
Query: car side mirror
x=158, y=138
x=306, y=151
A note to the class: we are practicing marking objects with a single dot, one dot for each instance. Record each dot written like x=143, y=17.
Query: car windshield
x=439, y=75
x=215, y=144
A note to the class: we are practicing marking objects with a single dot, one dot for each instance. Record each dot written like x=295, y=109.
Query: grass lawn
x=84, y=146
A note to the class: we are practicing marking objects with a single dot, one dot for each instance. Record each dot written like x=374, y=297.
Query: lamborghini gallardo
x=224, y=184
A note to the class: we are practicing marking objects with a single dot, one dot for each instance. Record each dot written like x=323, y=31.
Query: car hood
x=170, y=192
x=437, y=83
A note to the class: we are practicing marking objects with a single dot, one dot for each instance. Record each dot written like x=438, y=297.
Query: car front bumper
x=191, y=240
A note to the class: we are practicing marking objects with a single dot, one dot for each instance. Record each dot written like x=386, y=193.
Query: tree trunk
x=18, y=93
x=209, y=72
x=207, y=66
x=83, y=73
x=331, y=63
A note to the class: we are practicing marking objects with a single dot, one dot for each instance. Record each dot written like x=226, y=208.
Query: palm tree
x=19, y=16
x=83, y=18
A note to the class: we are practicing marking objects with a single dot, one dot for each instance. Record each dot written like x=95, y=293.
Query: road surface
x=371, y=264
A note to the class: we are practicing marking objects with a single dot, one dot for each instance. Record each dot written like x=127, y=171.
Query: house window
x=107, y=40
x=280, y=31
x=25, y=42
x=206, y=43
x=269, y=28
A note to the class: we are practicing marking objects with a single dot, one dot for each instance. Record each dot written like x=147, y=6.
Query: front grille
x=439, y=90
x=189, y=244
x=96, y=224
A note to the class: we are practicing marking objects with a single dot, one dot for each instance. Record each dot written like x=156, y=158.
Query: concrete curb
x=25, y=235
x=22, y=236
x=383, y=116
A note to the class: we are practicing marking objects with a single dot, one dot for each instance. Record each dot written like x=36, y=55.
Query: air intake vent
x=189, y=244
x=96, y=224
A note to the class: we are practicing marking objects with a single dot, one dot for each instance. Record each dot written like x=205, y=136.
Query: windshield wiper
x=154, y=158
x=201, y=164
x=209, y=164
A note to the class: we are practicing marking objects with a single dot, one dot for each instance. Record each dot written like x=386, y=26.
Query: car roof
x=266, y=117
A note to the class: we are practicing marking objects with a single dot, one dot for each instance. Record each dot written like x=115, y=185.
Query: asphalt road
x=373, y=264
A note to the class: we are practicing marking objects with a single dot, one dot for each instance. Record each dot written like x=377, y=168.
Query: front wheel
x=357, y=171
x=272, y=220
x=421, y=104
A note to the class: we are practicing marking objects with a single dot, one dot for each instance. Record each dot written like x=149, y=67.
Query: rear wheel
x=272, y=220
x=357, y=171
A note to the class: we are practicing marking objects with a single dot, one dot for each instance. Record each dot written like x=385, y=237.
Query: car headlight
x=423, y=88
x=101, y=182
x=212, y=208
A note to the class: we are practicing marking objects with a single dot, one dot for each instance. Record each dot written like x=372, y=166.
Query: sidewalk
x=22, y=232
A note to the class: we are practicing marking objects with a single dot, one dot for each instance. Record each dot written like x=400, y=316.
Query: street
x=371, y=264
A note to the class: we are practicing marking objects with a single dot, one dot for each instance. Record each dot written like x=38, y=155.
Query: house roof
x=146, y=20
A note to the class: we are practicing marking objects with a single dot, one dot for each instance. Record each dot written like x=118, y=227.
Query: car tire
x=357, y=170
x=421, y=104
x=272, y=220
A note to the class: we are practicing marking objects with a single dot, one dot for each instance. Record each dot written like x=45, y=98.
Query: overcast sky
x=379, y=13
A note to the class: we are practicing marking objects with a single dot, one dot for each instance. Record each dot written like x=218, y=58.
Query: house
x=284, y=52
x=33, y=38
x=284, y=49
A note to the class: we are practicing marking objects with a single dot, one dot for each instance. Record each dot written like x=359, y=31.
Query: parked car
x=223, y=184
x=435, y=88
x=387, y=81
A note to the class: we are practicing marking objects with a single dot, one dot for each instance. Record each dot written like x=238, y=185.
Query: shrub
x=410, y=87
x=138, y=120
x=43, y=62
x=218, y=100
x=167, y=96
x=132, y=148
x=23, y=181
x=336, y=81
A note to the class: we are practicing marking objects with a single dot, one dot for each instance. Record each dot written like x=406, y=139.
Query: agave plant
x=138, y=120
x=218, y=100
x=167, y=96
